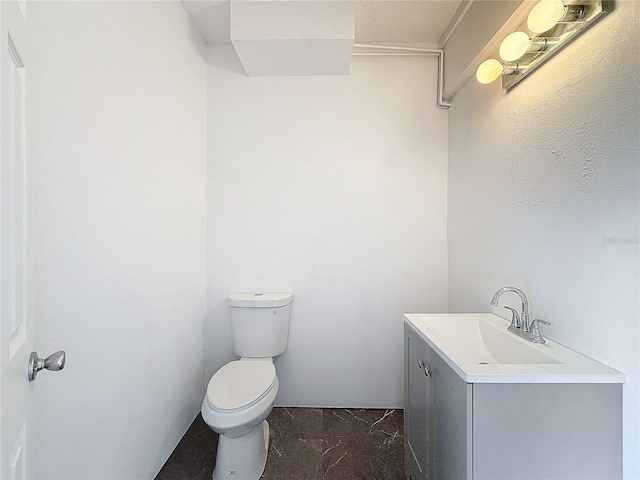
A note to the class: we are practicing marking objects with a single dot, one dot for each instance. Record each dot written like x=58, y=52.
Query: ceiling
x=382, y=22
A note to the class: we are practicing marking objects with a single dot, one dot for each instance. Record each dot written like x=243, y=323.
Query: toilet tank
x=260, y=323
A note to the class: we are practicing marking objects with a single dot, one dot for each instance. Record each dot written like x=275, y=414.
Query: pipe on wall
x=410, y=52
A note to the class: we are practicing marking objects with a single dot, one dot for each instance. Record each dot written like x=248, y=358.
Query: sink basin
x=486, y=342
x=481, y=350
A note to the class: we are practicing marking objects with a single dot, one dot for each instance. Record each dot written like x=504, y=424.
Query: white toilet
x=240, y=395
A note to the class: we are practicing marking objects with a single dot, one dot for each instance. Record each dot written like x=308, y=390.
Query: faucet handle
x=536, y=336
x=537, y=321
x=515, y=318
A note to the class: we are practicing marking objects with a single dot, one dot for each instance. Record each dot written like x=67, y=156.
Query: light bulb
x=489, y=70
x=545, y=15
x=514, y=46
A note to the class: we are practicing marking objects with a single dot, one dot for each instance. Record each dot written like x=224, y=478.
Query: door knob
x=53, y=362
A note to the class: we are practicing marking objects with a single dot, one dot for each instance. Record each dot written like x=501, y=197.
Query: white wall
x=333, y=188
x=541, y=179
x=119, y=89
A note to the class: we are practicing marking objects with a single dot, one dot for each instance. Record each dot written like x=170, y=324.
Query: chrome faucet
x=524, y=316
x=520, y=324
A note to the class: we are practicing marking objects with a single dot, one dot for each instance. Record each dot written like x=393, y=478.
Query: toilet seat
x=240, y=384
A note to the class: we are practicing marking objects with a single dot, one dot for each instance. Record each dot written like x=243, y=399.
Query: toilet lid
x=240, y=384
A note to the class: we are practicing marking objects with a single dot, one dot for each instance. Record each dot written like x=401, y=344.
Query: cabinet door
x=450, y=433
x=415, y=406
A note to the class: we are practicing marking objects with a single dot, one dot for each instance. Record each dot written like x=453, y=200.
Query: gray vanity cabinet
x=416, y=411
x=449, y=399
x=457, y=430
x=437, y=415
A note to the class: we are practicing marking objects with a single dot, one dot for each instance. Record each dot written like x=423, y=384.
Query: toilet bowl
x=239, y=398
x=241, y=394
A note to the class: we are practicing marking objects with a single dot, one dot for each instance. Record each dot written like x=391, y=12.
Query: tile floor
x=307, y=444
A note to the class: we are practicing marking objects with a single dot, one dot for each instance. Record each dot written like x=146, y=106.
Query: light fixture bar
x=549, y=27
x=519, y=43
x=491, y=69
x=547, y=13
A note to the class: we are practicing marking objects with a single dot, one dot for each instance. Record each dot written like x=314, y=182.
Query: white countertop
x=481, y=350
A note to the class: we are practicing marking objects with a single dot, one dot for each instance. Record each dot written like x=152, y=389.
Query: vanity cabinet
x=458, y=430
x=437, y=415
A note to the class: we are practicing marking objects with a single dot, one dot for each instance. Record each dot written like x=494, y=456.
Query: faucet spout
x=524, y=316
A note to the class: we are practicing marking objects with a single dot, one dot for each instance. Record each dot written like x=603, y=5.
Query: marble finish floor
x=307, y=444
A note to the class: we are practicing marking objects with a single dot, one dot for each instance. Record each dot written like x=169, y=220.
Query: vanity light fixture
x=519, y=43
x=491, y=69
x=547, y=13
x=550, y=25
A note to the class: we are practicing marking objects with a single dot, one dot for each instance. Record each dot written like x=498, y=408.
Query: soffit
x=384, y=22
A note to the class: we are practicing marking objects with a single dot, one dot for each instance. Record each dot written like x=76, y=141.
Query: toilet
x=241, y=394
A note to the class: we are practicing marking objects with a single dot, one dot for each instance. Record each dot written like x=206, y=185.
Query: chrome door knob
x=53, y=362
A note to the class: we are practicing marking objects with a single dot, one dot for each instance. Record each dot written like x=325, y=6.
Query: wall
x=119, y=89
x=543, y=195
x=333, y=188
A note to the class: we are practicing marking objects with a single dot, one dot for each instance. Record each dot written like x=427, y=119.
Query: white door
x=17, y=329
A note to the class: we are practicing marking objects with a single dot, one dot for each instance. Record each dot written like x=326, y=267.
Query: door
x=17, y=309
x=415, y=408
x=450, y=428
